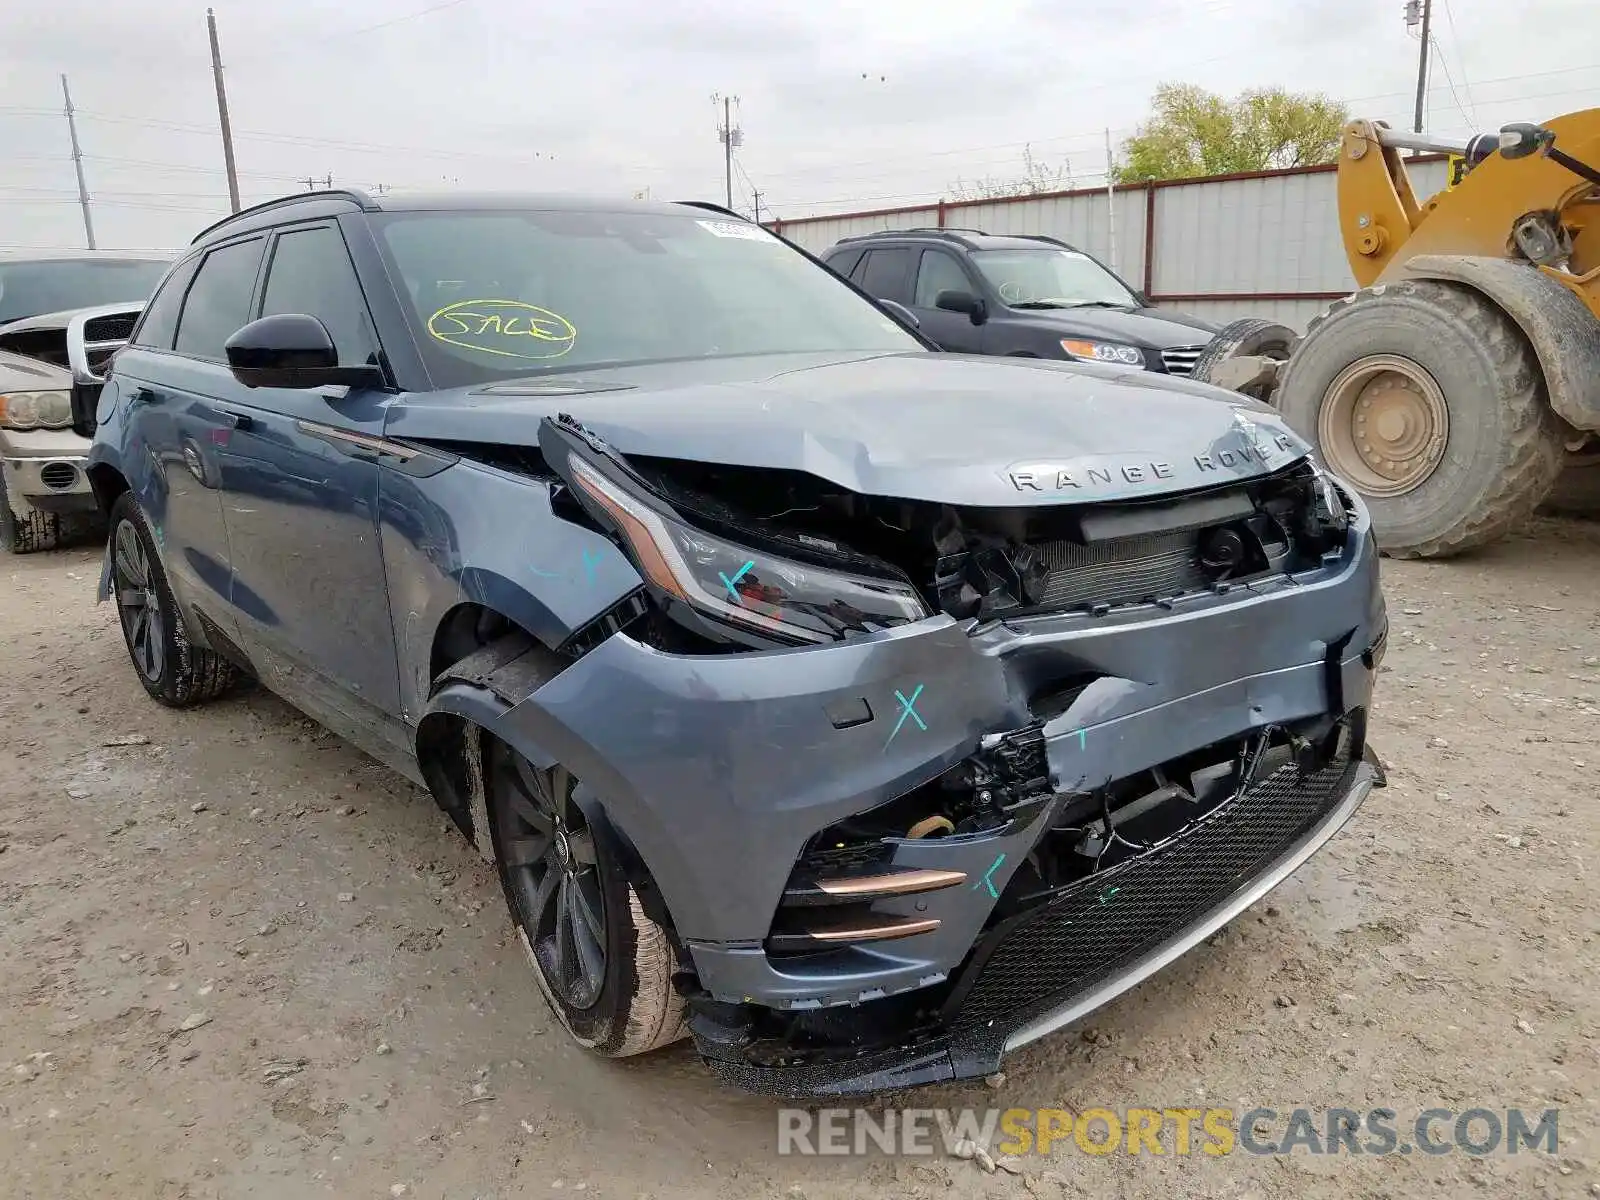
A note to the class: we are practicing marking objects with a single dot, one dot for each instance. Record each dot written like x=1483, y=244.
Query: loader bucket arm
x=1383, y=224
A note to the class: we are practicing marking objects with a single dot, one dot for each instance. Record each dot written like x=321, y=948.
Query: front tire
x=169, y=666
x=1246, y=337
x=1427, y=398
x=29, y=533
x=604, y=966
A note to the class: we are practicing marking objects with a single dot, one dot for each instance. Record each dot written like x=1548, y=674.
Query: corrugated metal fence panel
x=1428, y=178
x=1278, y=234
x=817, y=236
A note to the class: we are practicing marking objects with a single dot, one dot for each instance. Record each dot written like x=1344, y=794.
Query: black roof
x=971, y=239
x=309, y=205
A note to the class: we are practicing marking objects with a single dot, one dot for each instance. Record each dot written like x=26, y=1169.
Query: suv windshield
x=1064, y=277
x=30, y=288
x=495, y=295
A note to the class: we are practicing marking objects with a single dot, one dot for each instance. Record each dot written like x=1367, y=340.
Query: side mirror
x=902, y=313
x=292, y=350
x=955, y=300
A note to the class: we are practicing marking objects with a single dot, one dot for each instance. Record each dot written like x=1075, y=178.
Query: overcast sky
x=844, y=104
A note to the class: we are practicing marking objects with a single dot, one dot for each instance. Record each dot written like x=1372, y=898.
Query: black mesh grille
x=109, y=329
x=842, y=860
x=1121, y=570
x=1092, y=931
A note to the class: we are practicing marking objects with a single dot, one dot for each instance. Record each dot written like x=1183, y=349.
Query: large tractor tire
x=1577, y=491
x=1248, y=337
x=1427, y=398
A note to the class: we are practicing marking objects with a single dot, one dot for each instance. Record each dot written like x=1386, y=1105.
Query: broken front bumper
x=720, y=769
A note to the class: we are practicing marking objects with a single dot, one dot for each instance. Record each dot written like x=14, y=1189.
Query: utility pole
x=222, y=112
x=1111, y=203
x=731, y=137
x=757, y=196
x=1422, y=57
x=312, y=182
x=77, y=164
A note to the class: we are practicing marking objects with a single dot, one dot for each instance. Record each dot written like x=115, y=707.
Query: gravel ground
x=238, y=958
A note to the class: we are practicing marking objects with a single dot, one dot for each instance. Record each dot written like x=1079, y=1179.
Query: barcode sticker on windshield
x=736, y=229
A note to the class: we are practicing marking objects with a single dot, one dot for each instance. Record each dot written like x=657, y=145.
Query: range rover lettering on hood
x=941, y=428
x=1252, y=451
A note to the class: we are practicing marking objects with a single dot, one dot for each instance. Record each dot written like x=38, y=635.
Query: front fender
x=474, y=534
x=1562, y=330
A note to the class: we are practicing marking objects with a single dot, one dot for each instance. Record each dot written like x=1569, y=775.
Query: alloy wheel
x=1384, y=425
x=548, y=855
x=138, y=602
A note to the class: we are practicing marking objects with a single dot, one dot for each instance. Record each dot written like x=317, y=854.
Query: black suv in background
x=978, y=293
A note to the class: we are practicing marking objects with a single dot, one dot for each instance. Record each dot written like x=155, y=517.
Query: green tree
x=1194, y=132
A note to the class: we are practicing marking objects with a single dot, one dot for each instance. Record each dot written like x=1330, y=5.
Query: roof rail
x=1042, y=237
x=711, y=206
x=953, y=233
x=358, y=197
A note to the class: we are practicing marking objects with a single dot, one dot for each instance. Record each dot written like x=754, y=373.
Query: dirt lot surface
x=238, y=958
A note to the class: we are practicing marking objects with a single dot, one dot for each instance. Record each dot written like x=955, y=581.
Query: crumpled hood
x=954, y=429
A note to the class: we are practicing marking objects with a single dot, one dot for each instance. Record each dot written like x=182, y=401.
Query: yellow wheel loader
x=1463, y=378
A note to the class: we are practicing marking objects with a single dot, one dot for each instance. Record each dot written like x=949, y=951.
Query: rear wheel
x=171, y=668
x=602, y=963
x=1429, y=401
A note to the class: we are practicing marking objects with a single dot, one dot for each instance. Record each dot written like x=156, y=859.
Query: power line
x=180, y=168
x=1444, y=66
x=276, y=52
x=300, y=140
x=1095, y=136
x=1450, y=16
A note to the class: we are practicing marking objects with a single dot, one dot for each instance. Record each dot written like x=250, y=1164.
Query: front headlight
x=780, y=597
x=35, y=410
x=1105, y=352
x=1332, y=510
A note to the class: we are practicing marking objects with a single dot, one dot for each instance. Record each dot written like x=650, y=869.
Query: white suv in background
x=44, y=492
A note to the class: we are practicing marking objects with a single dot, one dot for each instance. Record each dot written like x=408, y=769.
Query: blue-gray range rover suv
x=860, y=710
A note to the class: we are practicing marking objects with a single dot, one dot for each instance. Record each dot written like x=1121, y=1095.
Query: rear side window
x=884, y=274
x=219, y=299
x=843, y=262
x=311, y=274
x=160, y=320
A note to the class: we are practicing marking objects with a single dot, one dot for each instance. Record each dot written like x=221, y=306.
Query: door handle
x=236, y=420
x=139, y=396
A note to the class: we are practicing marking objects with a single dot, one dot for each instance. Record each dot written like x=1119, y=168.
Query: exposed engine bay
x=968, y=562
x=984, y=563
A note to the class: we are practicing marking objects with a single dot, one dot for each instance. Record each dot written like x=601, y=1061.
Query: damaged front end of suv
x=912, y=782
x=862, y=710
